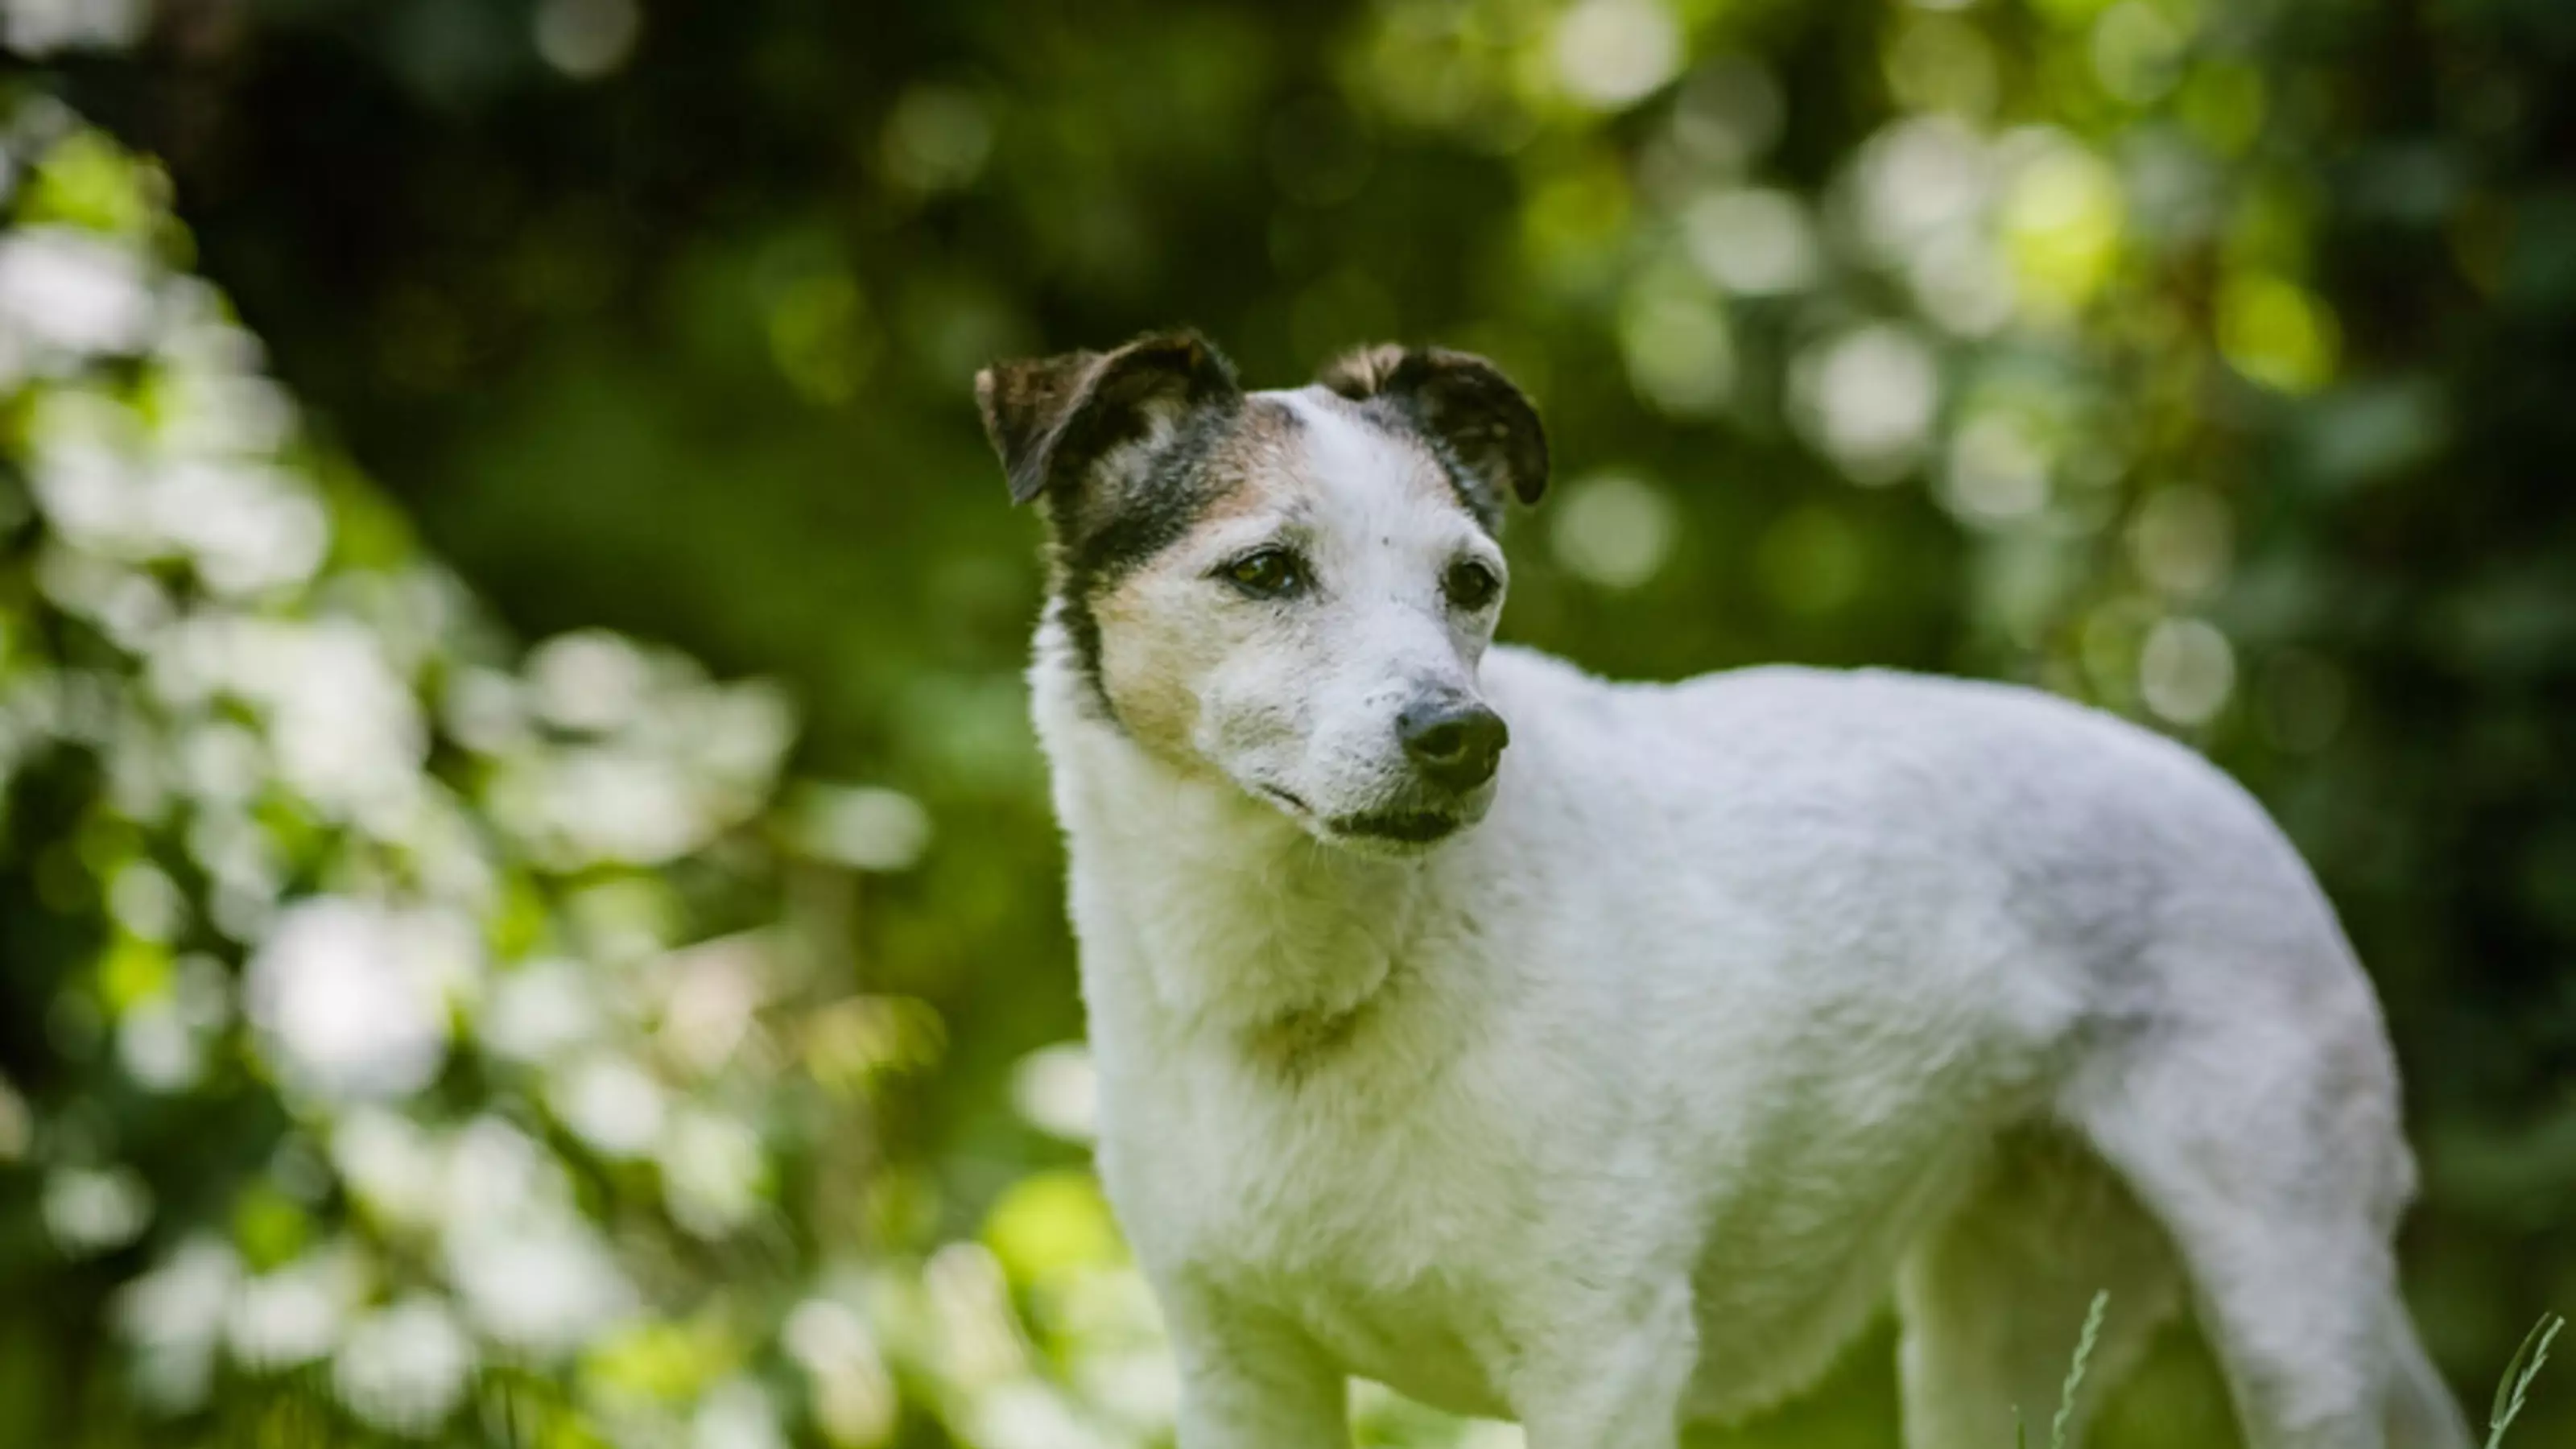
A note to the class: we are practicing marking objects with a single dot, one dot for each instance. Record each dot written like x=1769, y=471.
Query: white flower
x=294, y=1315
x=40, y=27
x=95, y=1210
x=350, y=999
x=493, y=1173
x=538, y=1012
x=712, y=1172
x=345, y=731
x=614, y=1105
x=74, y=291
x=404, y=1368
x=247, y=526
x=603, y=803
x=388, y=1163
x=544, y=1284
x=736, y=1414
x=348, y=733
x=174, y=1316
x=863, y=827
x=592, y=681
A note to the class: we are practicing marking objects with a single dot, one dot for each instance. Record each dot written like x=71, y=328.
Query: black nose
x=1453, y=742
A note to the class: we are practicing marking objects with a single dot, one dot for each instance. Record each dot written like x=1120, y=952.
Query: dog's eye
x=1272, y=573
x=1470, y=585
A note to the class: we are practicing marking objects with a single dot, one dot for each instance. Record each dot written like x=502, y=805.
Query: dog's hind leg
x=2269, y=1151
x=1993, y=1301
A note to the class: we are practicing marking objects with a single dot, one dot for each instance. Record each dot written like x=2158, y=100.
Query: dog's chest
x=1371, y=1213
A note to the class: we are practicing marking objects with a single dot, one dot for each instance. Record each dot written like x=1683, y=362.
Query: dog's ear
x=1460, y=401
x=1052, y=418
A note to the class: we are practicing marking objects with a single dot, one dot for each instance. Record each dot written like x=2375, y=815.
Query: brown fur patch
x=1155, y=643
x=1251, y=467
x=1294, y=1046
x=1152, y=655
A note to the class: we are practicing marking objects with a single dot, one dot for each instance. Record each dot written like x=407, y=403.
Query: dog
x=1596, y=1055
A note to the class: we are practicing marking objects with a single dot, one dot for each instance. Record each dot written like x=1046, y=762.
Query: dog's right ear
x=1485, y=423
x=1052, y=418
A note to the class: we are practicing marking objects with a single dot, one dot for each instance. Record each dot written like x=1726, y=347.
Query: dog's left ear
x=1460, y=401
x=1052, y=418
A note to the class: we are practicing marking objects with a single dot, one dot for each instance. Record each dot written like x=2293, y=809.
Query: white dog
x=1606, y=1081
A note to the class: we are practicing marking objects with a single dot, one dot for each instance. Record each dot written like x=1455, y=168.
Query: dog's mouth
x=1404, y=827
x=1387, y=827
x=1288, y=799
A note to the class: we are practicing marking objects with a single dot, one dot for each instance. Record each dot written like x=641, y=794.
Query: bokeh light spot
x=1867, y=398
x=1613, y=531
x=1680, y=355
x=2186, y=671
x=2136, y=45
x=2061, y=221
x=938, y=137
x=2181, y=541
x=2276, y=333
x=1057, y=1091
x=1942, y=63
x=587, y=39
x=404, y=1367
x=88, y=1211
x=41, y=27
x=1728, y=112
x=863, y=827
x=1610, y=54
x=1050, y=1223
x=1752, y=241
x=1998, y=469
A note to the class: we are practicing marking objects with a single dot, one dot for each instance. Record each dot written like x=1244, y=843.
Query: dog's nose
x=1453, y=742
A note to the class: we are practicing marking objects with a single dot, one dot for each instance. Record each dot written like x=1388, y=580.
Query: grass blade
x=2518, y=1375
x=2075, y=1372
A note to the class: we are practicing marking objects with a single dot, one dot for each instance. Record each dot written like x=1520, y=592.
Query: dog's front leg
x=1250, y=1380
x=1611, y=1374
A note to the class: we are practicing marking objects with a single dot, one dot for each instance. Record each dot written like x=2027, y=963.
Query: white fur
x=1379, y=524
x=1748, y=997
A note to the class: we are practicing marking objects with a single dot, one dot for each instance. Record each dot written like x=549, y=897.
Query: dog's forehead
x=1338, y=445
x=1340, y=464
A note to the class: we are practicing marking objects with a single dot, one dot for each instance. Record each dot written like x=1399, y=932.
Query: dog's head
x=1290, y=590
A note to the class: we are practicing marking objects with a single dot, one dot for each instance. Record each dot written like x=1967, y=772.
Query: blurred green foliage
x=2210, y=362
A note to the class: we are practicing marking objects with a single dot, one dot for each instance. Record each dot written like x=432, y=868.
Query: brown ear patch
x=1362, y=372
x=1051, y=418
x=1481, y=427
x=1022, y=402
x=1125, y=451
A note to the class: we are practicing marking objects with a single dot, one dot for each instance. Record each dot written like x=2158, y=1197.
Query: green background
x=2210, y=362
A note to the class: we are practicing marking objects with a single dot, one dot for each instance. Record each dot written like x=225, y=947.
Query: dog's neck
x=1199, y=904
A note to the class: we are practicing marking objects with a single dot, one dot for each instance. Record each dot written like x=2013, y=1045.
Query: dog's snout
x=1453, y=742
